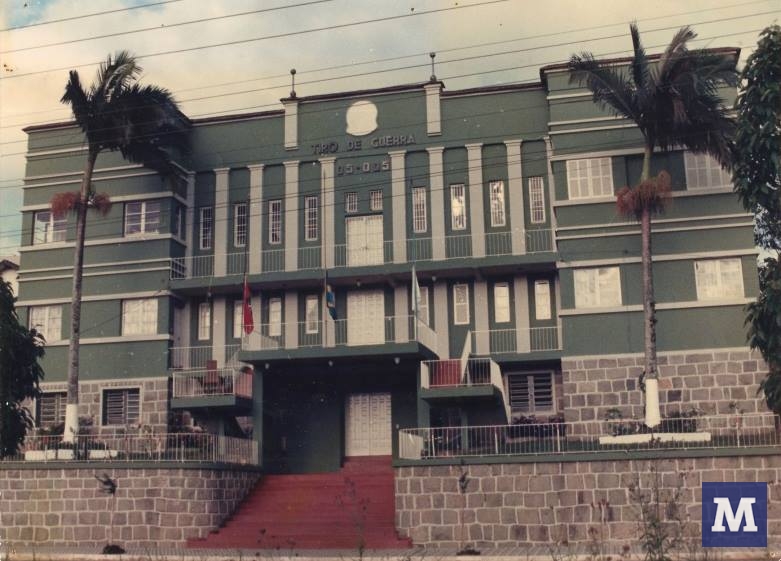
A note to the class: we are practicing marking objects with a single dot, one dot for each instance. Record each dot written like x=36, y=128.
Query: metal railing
x=453, y=373
x=119, y=447
x=377, y=252
x=210, y=383
x=760, y=430
x=198, y=357
x=533, y=339
x=472, y=245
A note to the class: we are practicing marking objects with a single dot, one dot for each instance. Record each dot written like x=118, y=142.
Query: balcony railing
x=375, y=253
x=450, y=373
x=498, y=341
x=472, y=245
x=212, y=383
x=198, y=357
x=163, y=447
x=761, y=430
x=339, y=333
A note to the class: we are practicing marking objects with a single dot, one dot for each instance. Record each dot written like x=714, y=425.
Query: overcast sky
x=333, y=44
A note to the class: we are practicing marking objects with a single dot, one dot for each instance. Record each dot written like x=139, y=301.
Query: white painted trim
x=664, y=353
x=120, y=199
x=660, y=436
x=568, y=96
x=94, y=180
x=40, y=153
x=107, y=241
x=656, y=258
x=63, y=385
x=659, y=306
x=98, y=265
x=589, y=120
x=593, y=129
x=655, y=221
x=238, y=119
x=124, y=386
x=656, y=231
x=98, y=297
x=118, y=339
x=71, y=173
x=599, y=154
x=97, y=274
x=674, y=194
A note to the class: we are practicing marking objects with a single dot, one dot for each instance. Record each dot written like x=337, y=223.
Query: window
x=48, y=228
x=496, y=191
x=351, y=202
x=597, y=288
x=275, y=222
x=142, y=217
x=204, y=321
x=718, y=278
x=50, y=409
x=375, y=200
x=461, y=304
x=240, y=224
x=310, y=214
x=238, y=319
x=139, y=317
x=536, y=200
x=530, y=393
x=121, y=407
x=312, y=314
x=542, y=307
x=275, y=317
x=458, y=207
x=207, y=228
x=419, y=225
x=47, y=320
x=589, y=178
x=703, y=172
x=501, y=302
x=423, y=306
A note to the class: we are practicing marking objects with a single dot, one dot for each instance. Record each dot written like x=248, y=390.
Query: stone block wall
x=708, y=380
x=511, y=505
x=155, y=508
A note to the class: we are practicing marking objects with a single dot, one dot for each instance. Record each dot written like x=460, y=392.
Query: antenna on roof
x=433, y=76
x=293, y=87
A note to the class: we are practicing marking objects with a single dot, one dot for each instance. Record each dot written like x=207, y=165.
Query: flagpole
x=324, y=261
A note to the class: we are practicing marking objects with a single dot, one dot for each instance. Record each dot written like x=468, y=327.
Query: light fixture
x=267, y=365
x=330, y=363
x=396, y=360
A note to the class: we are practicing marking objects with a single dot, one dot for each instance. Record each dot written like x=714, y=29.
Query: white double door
x=366, y=317
x=364, y=240
x=368, y=424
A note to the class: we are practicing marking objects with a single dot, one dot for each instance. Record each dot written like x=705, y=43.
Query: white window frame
x=536, y=200
x=238, y=319
x=502, y=302
x=275, y=317
x=542, y=300
x=205, y=227
x=419, y=211
x=148, y=217
x=461, y=313
x=351, y=202
x=139, y=316
x=496, y=204
x=204, y=321
x=312, y=314
x=719, y=279
x=311, y=209
x=458, y=207
x=590, y=178
x=375, y=200
x=423, y=306
x=530, y=381
x=240, y=224
x=47, y=228
x=597, y=287
x=58, y=408
x=125, y=393
x=275, y=222
x=704, y=172
x=47, y=320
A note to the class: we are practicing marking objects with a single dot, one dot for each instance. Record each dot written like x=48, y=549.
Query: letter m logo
x=734, y=514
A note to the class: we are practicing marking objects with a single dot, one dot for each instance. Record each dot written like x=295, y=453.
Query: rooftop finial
x=433, y=76
x=293, y=87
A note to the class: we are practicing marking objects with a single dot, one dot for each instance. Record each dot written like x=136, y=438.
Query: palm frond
x=640, y=71
x=610, y=89
x=77, y=98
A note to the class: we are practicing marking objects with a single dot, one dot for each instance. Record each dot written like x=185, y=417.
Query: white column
x=401, y=313
x=255, y=218
x=442, y=319
x=189, y=221
x=436, y=172
x=521, y=301
x=291, y=215
x=182, y=326
x=433, y=112
x=515, y=196
x=218, y=330
x=291, y=123
x=551, y=189
x=291, y=319
x=482, y=340
x=399, y=206
x=327, y=169
x=475, y=165
x=556, y=308
x=220, y=222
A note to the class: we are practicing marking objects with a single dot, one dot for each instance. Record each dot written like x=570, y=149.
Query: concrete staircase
x=349, y=509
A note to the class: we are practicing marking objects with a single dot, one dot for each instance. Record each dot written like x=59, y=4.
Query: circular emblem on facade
x=361, y=118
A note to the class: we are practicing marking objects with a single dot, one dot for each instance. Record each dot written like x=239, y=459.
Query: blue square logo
x=734, y=515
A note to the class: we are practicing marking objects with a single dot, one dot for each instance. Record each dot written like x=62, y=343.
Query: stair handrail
x=498, y=382
x=465, y=354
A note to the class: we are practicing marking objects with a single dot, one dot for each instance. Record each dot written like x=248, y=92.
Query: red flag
x=249, y=324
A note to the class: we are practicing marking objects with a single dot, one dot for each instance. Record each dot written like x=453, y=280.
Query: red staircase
x=348, y=509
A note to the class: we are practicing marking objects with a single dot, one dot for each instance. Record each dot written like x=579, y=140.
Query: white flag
x=415, y=292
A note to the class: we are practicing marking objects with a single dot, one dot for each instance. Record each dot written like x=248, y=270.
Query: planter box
x=40, y=455
x=65, y=454
x=102, y=454
x=659, y=436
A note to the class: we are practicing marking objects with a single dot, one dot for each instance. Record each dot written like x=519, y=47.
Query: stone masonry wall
x=708, y=380
x=155, y=508
x=511, y=505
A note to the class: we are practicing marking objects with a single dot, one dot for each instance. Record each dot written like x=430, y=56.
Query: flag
x=247, y=321
x=330, y=301
x=415, y=292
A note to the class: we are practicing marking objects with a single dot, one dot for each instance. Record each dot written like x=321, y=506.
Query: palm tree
x=116, y=113
x=674, y=101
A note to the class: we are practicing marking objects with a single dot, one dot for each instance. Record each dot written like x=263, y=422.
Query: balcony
x=198, y=357
x=543, y=342
x=198, y=381
x=490, y=244
x=397, y=336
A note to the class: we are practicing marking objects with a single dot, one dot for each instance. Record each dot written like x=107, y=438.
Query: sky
x=234, y=56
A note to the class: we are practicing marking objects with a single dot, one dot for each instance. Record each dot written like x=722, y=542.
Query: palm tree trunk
x=652, y=415
x=72, y=402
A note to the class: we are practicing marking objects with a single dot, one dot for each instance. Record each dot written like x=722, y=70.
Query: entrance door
x=364, y=240
x=366, y=317
x=368, y=424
